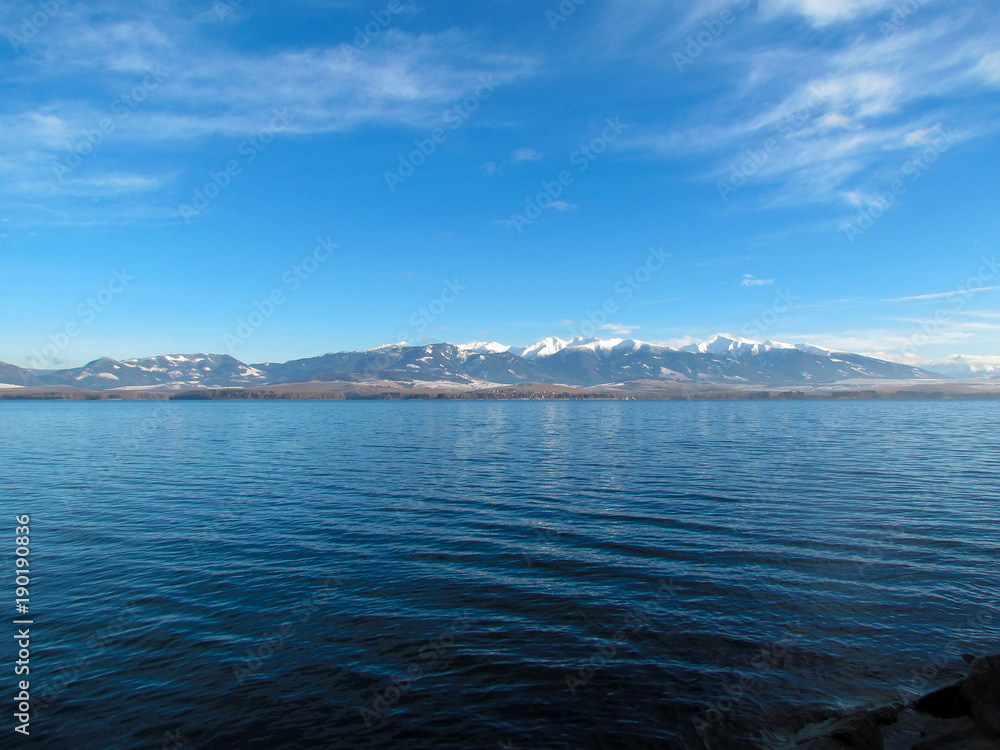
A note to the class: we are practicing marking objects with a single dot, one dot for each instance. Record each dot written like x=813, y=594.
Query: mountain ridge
x=581, y=362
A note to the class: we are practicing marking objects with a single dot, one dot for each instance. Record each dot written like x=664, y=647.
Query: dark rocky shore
x=962, y=716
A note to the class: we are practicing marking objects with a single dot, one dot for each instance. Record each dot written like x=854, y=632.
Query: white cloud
x=989, y=68
x=823, y=12
x=847, y=116
x=749, y=280
x=562, y=206
x=203, y=90
x=618, y=330
x=921, y=137
x=526, y=154
x=910, y=344
x=104, y=184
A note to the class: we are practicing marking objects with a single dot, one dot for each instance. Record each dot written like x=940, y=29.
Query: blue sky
x=280, y=182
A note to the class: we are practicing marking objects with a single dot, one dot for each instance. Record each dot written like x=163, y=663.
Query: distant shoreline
x=346, y=391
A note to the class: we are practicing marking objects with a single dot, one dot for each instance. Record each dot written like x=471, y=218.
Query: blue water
x=551, y=575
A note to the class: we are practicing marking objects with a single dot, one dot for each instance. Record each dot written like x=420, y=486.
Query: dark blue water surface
x=486, y=575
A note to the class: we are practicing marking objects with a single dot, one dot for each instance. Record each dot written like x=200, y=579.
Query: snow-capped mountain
x=199, y=370
x=549, y=346
x=541, y=348
x=728, y=345
x=170, y=371
x=602, y=345
x=484, y=347
x=591, y=361
x=431, y=362
x=721, y=359
x=798, y=363
x=544, y=348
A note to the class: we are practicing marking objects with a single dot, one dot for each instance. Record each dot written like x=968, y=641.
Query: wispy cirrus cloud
x=823, y=12
x=809, y=128
x=944, y=295
x=84, y=73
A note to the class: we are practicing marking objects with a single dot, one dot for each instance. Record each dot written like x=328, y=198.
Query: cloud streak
x=76, y=73
x=850, y=115
x=944, y=295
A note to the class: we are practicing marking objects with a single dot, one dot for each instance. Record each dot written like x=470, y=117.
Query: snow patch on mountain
x=484, y=347
x=544, y=348
x=552, y=345
x=725, y=344
x=583, y=361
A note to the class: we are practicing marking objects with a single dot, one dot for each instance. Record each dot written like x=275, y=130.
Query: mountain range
x=583, y=362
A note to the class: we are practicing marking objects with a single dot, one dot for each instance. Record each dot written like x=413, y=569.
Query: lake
x=495, y=574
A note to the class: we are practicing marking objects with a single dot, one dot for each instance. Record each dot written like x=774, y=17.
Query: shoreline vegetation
x=635, y=391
